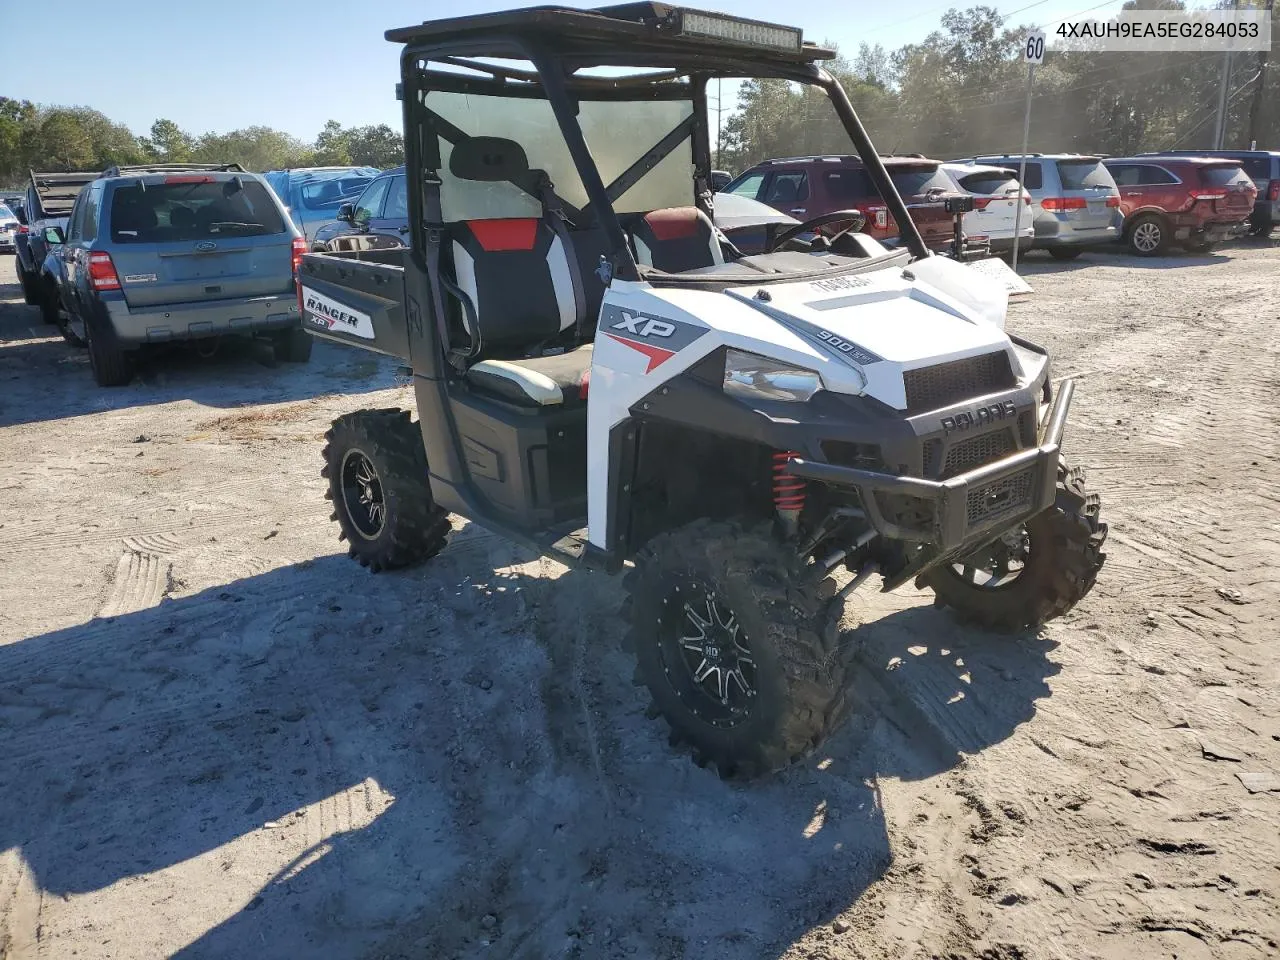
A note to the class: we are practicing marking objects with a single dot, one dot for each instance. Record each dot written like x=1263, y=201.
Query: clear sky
x=235, y=63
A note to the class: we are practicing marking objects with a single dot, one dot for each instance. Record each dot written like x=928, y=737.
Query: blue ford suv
x=171, y=252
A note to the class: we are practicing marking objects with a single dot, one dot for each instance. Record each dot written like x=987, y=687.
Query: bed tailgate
x=356, y=301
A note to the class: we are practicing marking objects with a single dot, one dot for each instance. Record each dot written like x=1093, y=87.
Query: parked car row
x=130, y=257
x=1071, y=202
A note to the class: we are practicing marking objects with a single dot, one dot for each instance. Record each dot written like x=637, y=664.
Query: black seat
x=521, y=285
x=674, y=239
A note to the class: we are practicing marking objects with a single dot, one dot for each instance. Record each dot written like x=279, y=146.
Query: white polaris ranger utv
x=601, y=375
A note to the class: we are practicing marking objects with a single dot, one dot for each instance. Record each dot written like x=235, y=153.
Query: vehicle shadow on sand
x=447, y=762
x=42, y=377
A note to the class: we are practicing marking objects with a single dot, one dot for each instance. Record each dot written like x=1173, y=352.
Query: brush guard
x=964, y=511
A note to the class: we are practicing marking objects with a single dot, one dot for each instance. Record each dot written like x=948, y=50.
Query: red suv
x=1193, y=201
x=807, y=187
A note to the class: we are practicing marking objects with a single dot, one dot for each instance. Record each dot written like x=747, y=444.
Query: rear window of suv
x=1223, y=176
x=912, y=181
x=167, y=212
x=332, y=193
x=988, y=182
x=1078, y=174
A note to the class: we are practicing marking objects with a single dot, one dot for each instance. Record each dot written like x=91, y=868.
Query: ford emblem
x=206, y=245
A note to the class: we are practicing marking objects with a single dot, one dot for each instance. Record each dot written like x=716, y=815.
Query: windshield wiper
x=237, y=225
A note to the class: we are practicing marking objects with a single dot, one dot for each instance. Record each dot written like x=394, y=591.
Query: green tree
x=376, y=146
x=256, y=148
x=169, y=143
x=15, y=117
x=332, y=149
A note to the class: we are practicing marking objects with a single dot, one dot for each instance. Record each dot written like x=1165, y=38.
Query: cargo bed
x=356, y=297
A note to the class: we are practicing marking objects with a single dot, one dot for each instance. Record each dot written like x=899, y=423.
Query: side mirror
x=347, y=213
x=54, y=235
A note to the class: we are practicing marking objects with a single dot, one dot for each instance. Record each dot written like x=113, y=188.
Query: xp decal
x=658, y=338
x=331, y=314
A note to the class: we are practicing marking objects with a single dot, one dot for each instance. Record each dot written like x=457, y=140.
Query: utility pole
x=1224, y=96
x=1255, y=109
x=719, y=109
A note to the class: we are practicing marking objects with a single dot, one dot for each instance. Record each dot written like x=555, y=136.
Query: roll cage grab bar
x=553, y=81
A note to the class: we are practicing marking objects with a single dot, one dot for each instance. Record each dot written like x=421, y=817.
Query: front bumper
x=967, y=510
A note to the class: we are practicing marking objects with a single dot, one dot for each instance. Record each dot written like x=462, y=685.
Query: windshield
x=1079, y=174
x=499, y=153
x=531, y=123
x=6, y=213
x=168, y=212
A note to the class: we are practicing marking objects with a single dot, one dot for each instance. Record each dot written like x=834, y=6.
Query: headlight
x=752, y=377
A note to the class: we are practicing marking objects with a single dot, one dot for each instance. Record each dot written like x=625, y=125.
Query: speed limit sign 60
x=1033, y=47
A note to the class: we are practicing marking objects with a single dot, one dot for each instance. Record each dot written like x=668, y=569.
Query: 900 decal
x=850, y=350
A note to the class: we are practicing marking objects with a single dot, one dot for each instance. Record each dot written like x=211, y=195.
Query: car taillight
x=1113, y=200
x=188, y=178
x=1208, y=194
x=1273, y=190
x=299, y=248
x=981, y=203
x=22, y=228
x=879, y=216
x=1058, y=204
x=102, y=272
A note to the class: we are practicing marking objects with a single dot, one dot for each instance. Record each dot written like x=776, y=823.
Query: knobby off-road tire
x=376, y=457
x=292, y=345
x=112, y=365
x=1061, y=566
x=785, y=626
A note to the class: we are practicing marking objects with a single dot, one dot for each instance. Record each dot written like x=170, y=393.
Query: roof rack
x=124, y=170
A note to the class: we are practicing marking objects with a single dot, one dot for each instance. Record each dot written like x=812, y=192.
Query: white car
x=996, y=197
x=8, y=228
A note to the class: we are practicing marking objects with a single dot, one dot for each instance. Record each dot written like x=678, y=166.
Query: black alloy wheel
x=706, y=655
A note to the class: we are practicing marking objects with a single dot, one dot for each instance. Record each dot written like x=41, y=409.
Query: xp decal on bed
x=749, y=437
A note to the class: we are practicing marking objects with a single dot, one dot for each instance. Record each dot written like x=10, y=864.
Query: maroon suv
x=1193, y=201
x=807, y=187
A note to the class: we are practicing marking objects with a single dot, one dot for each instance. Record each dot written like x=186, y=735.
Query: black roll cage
x=558, y=43
x=554, y=80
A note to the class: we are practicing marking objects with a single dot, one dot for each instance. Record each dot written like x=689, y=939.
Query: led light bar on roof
x=750, y=33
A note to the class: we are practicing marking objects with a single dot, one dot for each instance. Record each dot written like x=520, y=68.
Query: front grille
x=1001, y=496
x=977, y=452
x=931, y=388
x=1028, y=428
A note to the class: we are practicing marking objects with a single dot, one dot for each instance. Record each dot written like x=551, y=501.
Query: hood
x=863, y=332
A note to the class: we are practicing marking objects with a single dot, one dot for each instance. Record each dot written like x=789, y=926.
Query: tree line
x=958, y=92
x=79, y=138
x=961, y=91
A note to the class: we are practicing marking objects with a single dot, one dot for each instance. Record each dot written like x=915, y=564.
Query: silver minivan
x=1074, y=200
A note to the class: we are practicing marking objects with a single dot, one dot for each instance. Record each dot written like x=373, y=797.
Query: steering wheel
x=855, y=219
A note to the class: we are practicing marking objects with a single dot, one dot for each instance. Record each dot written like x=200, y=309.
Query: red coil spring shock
x=788, y=491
